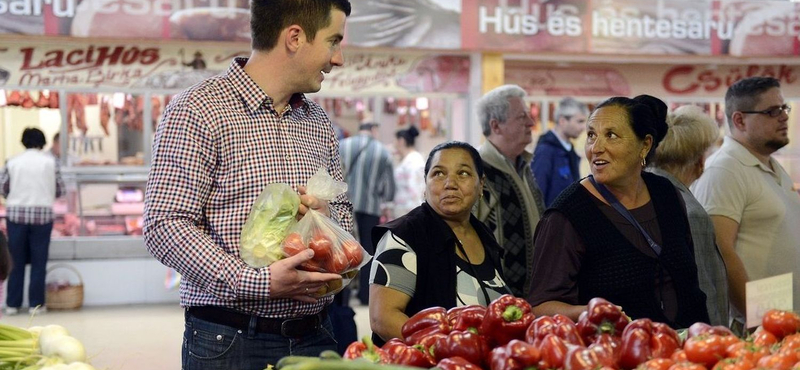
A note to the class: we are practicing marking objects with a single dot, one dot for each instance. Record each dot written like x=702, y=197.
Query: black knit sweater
x=616, y=270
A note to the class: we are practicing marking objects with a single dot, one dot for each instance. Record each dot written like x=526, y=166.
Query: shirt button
x=288, y=157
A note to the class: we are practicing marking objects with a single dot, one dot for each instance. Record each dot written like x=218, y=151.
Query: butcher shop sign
x=110, y=65
x=173, y=67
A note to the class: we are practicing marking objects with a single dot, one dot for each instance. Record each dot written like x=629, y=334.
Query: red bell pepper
x=427, y=342
x=468, y=345
x=516, y=355
x=367, y=350
x=610, y=343
x=507, y=318
x=424, y=323
x=403, y=354
x=643, y=340
x=559, y=325
x=601, y=316
x=456, y=363
x=464, y=317
x=581, y=358
x=553, y=351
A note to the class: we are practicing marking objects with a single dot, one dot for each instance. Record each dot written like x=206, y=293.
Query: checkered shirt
x=29, y=215
x=219, y=144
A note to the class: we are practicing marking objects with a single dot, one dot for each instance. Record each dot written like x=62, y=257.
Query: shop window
x=20, y=109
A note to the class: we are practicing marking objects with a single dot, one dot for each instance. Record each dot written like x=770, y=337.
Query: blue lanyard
x=614, y=202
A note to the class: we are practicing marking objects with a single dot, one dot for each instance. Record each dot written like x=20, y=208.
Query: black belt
x=291, y=328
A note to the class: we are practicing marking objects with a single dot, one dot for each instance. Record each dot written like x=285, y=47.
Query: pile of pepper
x=506, y=336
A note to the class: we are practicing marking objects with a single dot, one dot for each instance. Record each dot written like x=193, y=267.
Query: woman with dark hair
x=409, y=176
x=438, y=254
x=31, y=181
x=620, y=233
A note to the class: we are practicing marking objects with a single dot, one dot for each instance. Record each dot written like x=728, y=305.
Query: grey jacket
x=711, y=270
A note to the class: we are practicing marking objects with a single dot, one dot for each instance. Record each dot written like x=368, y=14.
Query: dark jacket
x=434, y=243
x=615, y=269
x=554, y=167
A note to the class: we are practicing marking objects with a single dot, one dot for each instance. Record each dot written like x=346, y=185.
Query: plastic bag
x=335, y=250
x=272, y=215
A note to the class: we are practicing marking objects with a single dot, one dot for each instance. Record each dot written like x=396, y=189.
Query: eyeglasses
x=772, y=112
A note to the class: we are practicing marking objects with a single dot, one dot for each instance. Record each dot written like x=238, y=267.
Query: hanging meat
x=27, y=101
x=76, y=112
x=43, y=101
x=14, y=99
x=53, y=100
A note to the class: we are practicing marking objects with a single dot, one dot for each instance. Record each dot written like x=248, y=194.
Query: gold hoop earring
x=644, y=162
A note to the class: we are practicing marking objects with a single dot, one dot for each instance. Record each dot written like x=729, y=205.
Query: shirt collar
x=741, y=154
x=495, y=157
x=252, y=94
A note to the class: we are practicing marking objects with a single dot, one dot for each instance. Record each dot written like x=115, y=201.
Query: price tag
x=766, y=294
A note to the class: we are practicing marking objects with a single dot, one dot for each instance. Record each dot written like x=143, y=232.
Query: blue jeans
x=27, y=243
x=210, y=346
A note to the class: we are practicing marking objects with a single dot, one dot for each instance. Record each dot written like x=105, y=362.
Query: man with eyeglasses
x=749, y=196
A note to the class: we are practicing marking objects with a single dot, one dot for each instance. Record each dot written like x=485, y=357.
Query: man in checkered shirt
x=219, y=144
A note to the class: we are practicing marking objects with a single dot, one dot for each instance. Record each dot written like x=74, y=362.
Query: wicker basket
x=68, y=297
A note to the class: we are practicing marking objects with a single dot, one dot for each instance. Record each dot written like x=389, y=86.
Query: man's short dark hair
x=746, y=93
x=33, y=138
x=269, y=17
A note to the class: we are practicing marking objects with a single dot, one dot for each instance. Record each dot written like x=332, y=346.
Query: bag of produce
x=335, y=250
x=269, y=220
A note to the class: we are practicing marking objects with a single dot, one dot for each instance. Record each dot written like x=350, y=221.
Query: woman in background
x=409, y=177
x=30, y=182
x=680, y=158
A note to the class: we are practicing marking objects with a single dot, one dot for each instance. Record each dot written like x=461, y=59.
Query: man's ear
x=494, y=125
x=293, y=37
x=737, y=118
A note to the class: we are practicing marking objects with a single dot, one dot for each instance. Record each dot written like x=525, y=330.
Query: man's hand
x=311, y=202
x=287, y=281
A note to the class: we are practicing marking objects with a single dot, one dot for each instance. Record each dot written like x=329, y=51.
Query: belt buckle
x=288, y=330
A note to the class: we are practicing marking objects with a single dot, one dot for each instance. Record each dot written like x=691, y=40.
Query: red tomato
x=747, y=351
x=293, y=244
x=791, y=343
x=764, y=338
x=781, y=323
x=687, y=366
x=778, y=361
x=656, y=364
x=352, y=250
x=322, y=246
x=336, y=263
x=734, y=364
x=705, y=349
x=679, y=356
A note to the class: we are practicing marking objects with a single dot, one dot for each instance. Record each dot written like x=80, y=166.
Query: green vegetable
x=270, y=218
